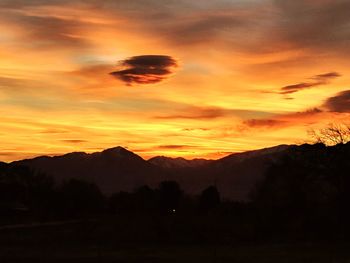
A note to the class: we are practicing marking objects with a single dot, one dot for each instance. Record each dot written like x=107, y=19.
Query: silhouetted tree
x=122, y=202
x=306, y=192
x=209, y=199
x=24, y=190
x=170, y=195
x=145, y=199
x=333, y=134
x=79, y=198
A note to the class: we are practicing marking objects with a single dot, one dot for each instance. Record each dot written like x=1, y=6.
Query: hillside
x=118, y=169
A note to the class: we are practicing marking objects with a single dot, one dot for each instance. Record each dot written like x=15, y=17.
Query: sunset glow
x=174, y=78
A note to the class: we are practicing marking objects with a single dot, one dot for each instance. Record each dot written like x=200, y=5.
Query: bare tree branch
x=333, y=134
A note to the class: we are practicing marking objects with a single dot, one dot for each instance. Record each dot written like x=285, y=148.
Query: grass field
x=177, y=253
x=107, y=241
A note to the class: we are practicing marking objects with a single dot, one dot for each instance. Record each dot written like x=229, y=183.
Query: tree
x=332, y=134
x=122, y=202
x=80, y=198
x=142, y=200
x=305, y=193
x=24, y=190
x=170, y=195
x=209, y=199
x=145, y=199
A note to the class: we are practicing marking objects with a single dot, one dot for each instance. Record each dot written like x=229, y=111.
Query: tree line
x=24, y=191
x=305, y=194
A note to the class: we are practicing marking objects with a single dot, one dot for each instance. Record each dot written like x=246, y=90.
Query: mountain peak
x=119, y=152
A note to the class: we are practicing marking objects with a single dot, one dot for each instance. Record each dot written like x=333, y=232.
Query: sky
x=164, y=77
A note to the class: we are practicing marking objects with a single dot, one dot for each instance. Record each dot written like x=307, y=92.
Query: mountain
x=112, y=170
x=235, y=175
x=177, y=163
x=118, y=169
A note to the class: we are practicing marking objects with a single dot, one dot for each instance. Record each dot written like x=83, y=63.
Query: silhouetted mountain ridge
x=179, y=162
x=118, y=169
x=255, y=153
x=112, y=169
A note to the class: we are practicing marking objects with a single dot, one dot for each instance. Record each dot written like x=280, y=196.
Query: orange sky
x=176, y=78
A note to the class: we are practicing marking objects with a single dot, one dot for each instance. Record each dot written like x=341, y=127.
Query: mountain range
x=117, y=169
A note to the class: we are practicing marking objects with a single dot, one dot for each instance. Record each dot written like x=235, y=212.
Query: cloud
x=253, y=26
x=314, y=24
x=281, y=120
x=8, y=153
x=212, y=112
x=297, y=87
x=145, y=69
x=74, y=141
x=49, y=31
x=185, y=23
x=198, y=113
x=54, y=131
x=327, y=76
x=263, y=123
x=91, y=71
x=53, y=31
x=172, y=146
x=195, y=129
x=11, y=83
x=339, y=103
x=25, y=3
x=310, y=112
x=202, y=27
x=321, y=79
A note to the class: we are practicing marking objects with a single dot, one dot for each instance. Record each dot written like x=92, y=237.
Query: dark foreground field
x=120, y=240
x=299, y=212
x=176, y=253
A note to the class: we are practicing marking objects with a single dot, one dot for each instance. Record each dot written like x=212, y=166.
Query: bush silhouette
x=209, y=199
x=169, y=194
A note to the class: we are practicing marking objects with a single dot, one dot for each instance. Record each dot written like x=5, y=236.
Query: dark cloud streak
x=280, y=120
x=197, y=113
x=261, y=123
x=47, y=31
x=74, y=141
x=321, y=79
x=145, y=69
x=327, y=76
x=173, y=146
x=297, y=87
x=315, y=24
x=339, y=103
x=271, y=25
